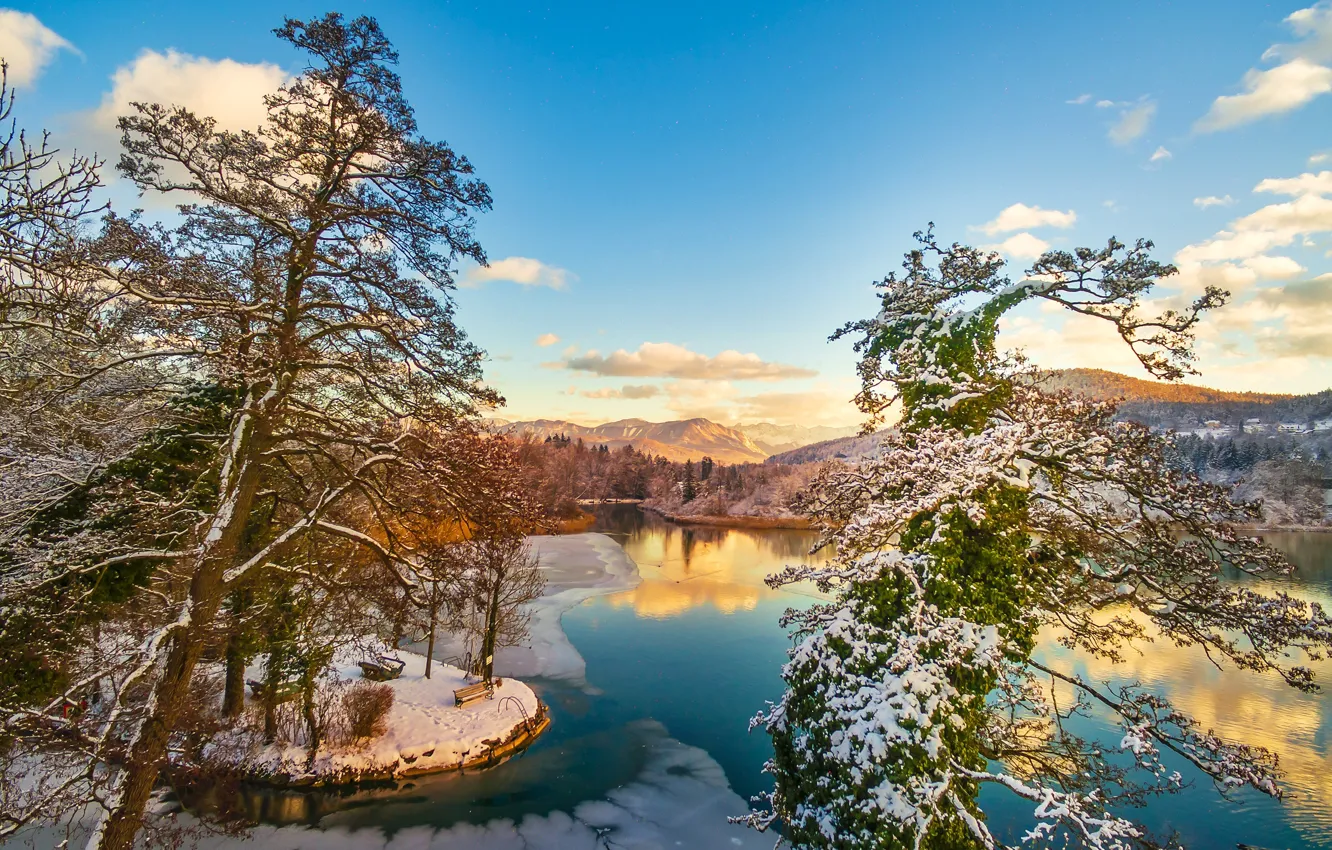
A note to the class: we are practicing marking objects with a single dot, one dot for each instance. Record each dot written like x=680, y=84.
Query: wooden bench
x=286, y=691
x=382, y=669
x=462, y=696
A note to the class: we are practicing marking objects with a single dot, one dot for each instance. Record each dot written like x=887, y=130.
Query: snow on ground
x=681, y=799
x=426, y=731
x=577, y=567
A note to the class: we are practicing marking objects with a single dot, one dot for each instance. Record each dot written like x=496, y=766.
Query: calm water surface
x=696, y=647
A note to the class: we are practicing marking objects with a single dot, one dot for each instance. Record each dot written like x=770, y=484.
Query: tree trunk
x=233, y=692
x=430, y=642
x=272, y=679
x=487, y=660
x=148, y=748
x=311, y=719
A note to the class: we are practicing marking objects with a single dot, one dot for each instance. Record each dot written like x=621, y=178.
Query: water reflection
x=1258, y=709
x=685, y=567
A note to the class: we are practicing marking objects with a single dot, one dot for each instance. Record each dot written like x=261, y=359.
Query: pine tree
x=688, y=487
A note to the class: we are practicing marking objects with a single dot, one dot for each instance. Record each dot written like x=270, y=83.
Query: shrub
x=366, y=707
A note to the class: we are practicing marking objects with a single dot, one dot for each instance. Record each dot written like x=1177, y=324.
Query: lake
x=694, y=651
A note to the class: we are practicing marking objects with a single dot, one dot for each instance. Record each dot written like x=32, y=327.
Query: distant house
x=1253, y=426
x=1291, y=428
x=1213, y=423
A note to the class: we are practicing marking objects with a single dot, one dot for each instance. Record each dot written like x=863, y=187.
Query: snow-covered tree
x=993, y=510
x=307, y=281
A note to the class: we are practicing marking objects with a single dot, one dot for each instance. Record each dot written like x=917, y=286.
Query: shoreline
x=794, y=523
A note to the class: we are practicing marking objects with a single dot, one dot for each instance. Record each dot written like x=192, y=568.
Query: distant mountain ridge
x=679, y=440
x=775, y=439
x=1106, y=385
x=1179, y=406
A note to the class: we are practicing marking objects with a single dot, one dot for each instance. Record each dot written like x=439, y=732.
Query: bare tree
x=500, y=576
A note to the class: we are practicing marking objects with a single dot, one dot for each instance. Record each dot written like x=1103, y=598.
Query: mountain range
x=679, y=440
x=1180, y=406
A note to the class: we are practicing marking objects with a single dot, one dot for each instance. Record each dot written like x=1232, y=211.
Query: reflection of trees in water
x=1309, y=551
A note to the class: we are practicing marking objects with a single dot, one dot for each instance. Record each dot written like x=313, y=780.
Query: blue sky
x=692, y=196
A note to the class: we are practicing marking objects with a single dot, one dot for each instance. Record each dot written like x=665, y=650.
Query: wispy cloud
x=1213, y=201
x=1302, y=75
x=1133, y=122
x=27, y=45
x=521, y=270
x=547, y=339
x=1160, y=154
x=667, y=360
x=1079, y=100
x=628, y=391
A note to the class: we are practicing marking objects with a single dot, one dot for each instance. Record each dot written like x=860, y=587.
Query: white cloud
x=1079, y=100
x=230, y=92
x=629, y=391
x=1302, y=76
x=1133, y=122
x=1213, y=201
x=1314, y=159
x=1161, y=153
x=1021, y=246
x=1280, y=89
x=1075, y=341
x=1273, y=268
x=666, y=360
x=1305, y=184
x=1104, y=104
x=547, y=339
x=521, y=270
x=27, y=45
x=1023, y=217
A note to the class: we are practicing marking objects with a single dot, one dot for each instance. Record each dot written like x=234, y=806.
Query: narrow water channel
x=694, y=651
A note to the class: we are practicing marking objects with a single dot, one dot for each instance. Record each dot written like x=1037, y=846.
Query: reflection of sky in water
x=696, y=648
x=706, y=574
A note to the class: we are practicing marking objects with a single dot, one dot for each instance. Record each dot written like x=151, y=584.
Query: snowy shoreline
x=425, y=733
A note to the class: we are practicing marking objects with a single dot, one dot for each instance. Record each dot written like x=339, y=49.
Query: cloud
x=1213, y=201
x=1133, y=122
x=815, y=407
x=721, y=402
x=1105, y=104
x=1302, y=76
x=547, y=339
x=1021, y=245
x=1305, y=184
x=27, y=46
x=230, y=92
x=1305, y=312
x=1023, y=217
x=1280, y=89
x=1160, y=153
x=1272, y=226
x=1079, y=100
x=521, y=270
x=631, y=391
x=1314, y=159
x=666, y=360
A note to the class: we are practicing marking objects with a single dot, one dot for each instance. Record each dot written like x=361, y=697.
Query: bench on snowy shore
x=285, y=690
x=383, y=668
x=462, y=696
